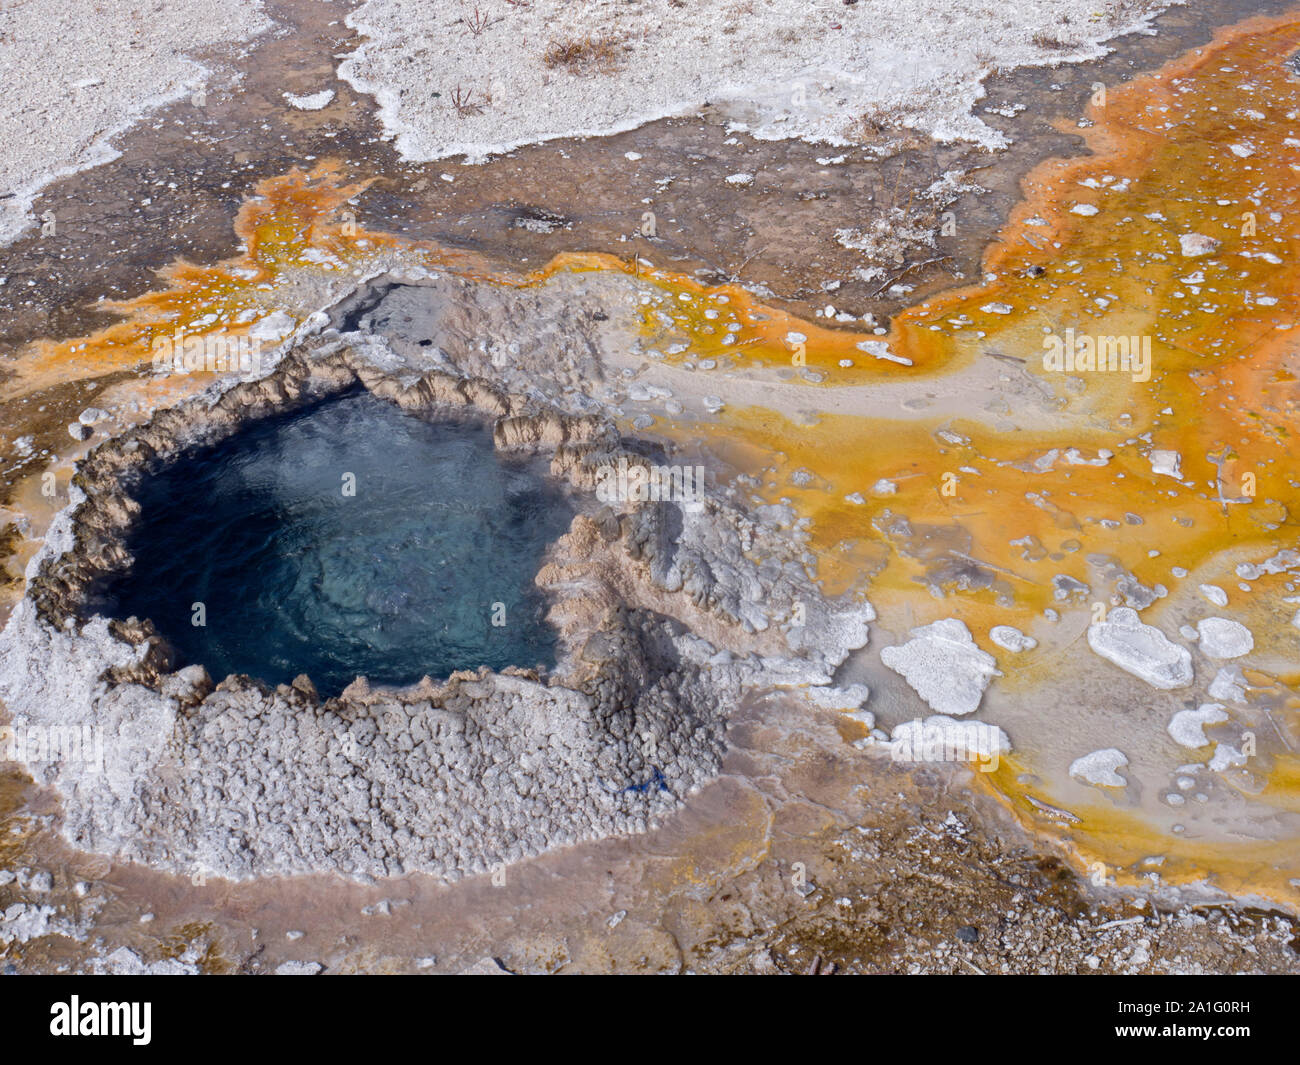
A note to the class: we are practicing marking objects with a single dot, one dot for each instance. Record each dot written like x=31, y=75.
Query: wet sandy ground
x=898, y=884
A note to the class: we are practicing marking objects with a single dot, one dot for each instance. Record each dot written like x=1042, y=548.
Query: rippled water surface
x=427, y=568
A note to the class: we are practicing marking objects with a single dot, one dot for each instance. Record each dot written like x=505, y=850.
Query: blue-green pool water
x=350, y=538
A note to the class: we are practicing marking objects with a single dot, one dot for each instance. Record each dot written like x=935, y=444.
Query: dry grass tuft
x=1050, y=42
x=584, y=55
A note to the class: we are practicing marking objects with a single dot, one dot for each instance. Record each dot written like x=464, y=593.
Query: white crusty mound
x=779, y=68
x=312, y=102
x=1222, y=638
x=256, y=783
x=1229, y=685
x=1187, y=727
x=1010, y=638
x=77, y=72
x=943, y=666
x=1100, y=768
x=1142, y=650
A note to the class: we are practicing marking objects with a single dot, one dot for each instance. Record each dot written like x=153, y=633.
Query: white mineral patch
x=1196, y=244
x=21, y=923
x=126, y=962
x=1076, y=458
x=1101, y=768
x=1222, y=638
x=1167, y=463
x=1229, y=685
x=943, y=666
x=319, y=256
x=1142, y=650
x=298, y=968
x=850, y=702
x=1214, y=594
x=776, y=70
x=1009, y=638
x=1187, y=727
x=315, y=102
x=56, y=121
x=830, y=697
x=1284, y=561
x=1225, y=757
x=275, y=326
x=878, y=349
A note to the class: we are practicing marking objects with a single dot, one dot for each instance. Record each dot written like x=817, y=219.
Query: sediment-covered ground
x=482, y=81
x=77, y=73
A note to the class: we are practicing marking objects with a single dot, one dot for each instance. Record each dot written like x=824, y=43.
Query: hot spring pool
x=350, y=538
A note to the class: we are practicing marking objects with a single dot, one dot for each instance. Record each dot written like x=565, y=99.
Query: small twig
x=815, y=969
x=1117, y=924
x=734, y=276
x=1280, y=735
x=989, y=565
x=893, y=199
x=462, y=100
x=478, y=22
x=914, y=266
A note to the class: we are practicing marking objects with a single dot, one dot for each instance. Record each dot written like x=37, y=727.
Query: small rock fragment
x=1100, y=768
x=1193, y=245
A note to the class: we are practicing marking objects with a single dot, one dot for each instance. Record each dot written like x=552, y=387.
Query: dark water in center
x=404, y=578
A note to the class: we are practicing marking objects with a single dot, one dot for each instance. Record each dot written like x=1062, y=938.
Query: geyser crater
x=347, y=538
